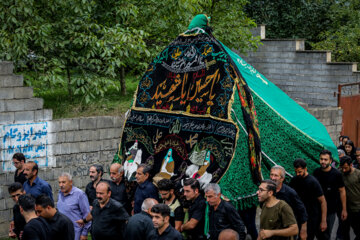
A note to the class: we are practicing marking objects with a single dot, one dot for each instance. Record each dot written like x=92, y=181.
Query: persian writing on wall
x=32, y=139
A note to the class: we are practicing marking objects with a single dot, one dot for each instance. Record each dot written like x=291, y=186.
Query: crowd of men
x=108, y=209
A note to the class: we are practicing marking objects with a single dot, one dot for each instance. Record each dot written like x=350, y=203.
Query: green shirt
x=279, y=216
x=352, y=187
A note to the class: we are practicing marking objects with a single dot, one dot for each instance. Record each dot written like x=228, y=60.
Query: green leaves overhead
x=79, y=43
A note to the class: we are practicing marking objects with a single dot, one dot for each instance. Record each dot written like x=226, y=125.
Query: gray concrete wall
x=306, y=76
x=331, y=118
x=65, y=145
x=77, y=144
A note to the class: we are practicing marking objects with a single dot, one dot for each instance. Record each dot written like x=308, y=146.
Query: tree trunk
x=70, y=92
x=122, y=81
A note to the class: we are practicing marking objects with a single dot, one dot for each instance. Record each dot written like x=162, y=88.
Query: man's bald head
x=228, y=234
x=103, y=192
x=116, y=172
x=147, y=204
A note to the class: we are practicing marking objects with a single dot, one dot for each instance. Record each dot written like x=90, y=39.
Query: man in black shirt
x=333, y=187
x=286, y=193
x=95, y=172
x=117, y=184
x=194, y=228
x=311, y=194
x=36, y=228
x=166, y=189
x=140, y=225
x=222, y=215
x=18, y=223
x=19, y=160
x=163, y=230
x=61, y=226
x=108, y=215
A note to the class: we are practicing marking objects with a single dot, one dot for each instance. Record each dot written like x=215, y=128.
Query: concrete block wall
x=306, y=76
x=72, y=144
x=80, y=142
x=331, y=118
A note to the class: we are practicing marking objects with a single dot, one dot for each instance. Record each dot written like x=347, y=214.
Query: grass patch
x=57, y=99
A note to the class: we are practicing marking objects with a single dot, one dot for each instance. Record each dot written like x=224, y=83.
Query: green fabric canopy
x=283, y=106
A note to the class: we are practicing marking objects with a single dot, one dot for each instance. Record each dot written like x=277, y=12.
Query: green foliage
x=167, y=19
x=57, y=38
x=325, y=24
x=291, y=18
x=112, y=103
x=83, y=46
x=343, y=38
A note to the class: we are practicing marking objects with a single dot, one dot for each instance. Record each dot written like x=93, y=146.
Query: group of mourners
x=112, y=209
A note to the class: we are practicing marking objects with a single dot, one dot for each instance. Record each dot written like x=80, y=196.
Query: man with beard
x=311, y=194
x=352, y=185
x=61, y=226
x=286, y=193
x=108, y=215
x=117, y=184
x=163, y=230
x=35, y=185
x=73, y=203
x=19, y=160
x=277, y=220
x=95, y=172
x=332, y=184
x=18, y=222
x=194, y=227
x=222, y=215
x=166, y=189
x=357, y=162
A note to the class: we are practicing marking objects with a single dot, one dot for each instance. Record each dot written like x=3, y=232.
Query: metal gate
x=351, y=113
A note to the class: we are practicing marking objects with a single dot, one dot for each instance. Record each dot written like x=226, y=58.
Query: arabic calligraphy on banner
x=31, y=139
x=194, y=77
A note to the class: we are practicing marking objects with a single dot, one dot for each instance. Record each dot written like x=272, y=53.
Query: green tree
x=71, y=43
x=86, y=46
x=343, y=36
x=291, y=18
x=164, y=20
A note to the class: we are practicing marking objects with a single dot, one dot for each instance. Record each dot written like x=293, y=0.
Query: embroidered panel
x=177, y=146
x=193, y=75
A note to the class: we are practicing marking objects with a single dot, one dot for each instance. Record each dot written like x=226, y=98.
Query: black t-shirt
x=330, y=182
x=197, y=211
x=176, y=212
x=290, y=196
x=62, y=227
x=36, y=229
x=19, y=220
x=139, y=226
x=169, y=234
x=91, y=191
x=118, y=192
x=21, y=178
x=225, y=217
x=109, y=222
x=309, y=190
